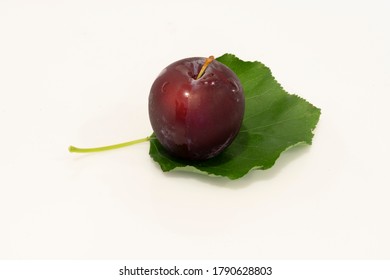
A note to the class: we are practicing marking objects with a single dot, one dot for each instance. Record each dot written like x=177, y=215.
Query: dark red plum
x=196, y=107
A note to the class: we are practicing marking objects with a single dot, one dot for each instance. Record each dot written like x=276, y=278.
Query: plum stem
x=73, y=149
x=204, y=67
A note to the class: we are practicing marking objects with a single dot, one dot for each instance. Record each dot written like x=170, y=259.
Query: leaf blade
x=274, y=121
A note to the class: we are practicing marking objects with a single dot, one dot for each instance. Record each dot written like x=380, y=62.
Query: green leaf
x=274, y=120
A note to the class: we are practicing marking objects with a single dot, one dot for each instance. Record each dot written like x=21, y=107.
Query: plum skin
x=196, y=119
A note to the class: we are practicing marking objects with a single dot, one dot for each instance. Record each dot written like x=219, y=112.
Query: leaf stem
x=73, y=149
x=204, y=67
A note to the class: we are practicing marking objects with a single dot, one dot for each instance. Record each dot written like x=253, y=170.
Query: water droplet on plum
x=164, y=87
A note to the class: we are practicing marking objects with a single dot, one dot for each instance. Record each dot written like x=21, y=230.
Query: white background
x=79, y=73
